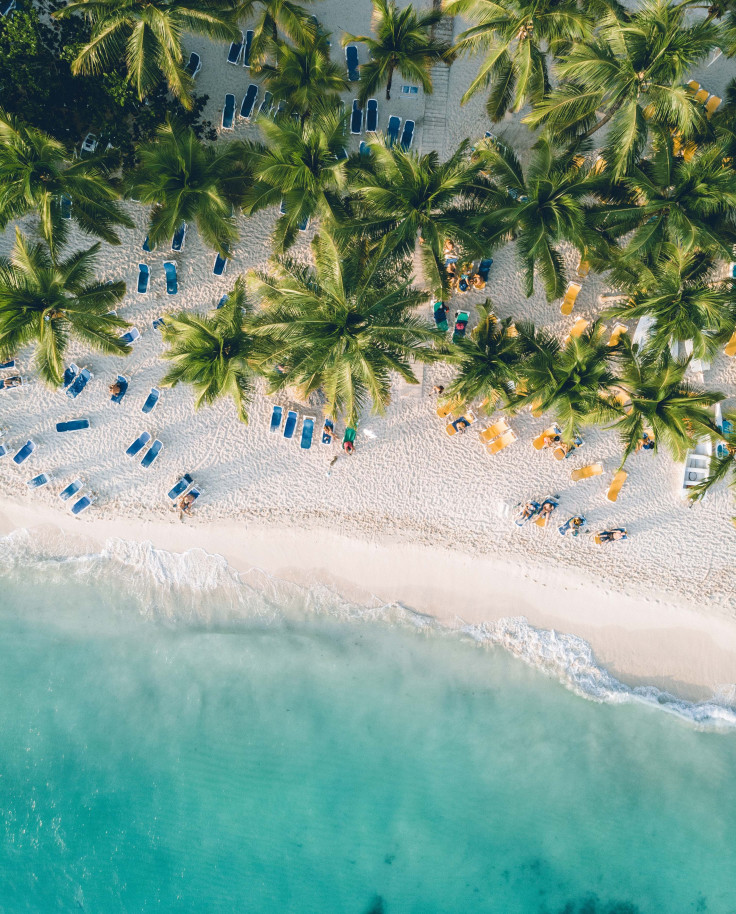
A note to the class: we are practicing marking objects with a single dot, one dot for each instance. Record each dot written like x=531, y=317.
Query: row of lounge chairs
x=247, y=106
x=240, y=50
x=371, y=117
x=291, y=422
x=142, y=442
x=144, y=276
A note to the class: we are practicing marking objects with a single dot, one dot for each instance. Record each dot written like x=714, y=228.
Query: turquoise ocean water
x=174, y=740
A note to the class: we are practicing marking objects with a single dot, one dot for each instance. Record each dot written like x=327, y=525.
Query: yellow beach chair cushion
x=500, y=443
x=693, y=86
x=701, y=95
x=446, y=409
x=568, y=302
x=712, y=105
x=618, y=480
x=616, y=334
x=597, y=539
x=593, y=469
x=577, y=330
x=538, y=442
x=730, y=349
x=493, y=431
x=583, y=269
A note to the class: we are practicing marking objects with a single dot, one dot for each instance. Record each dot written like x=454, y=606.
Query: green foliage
x=403, y=43
x=274, y=18
x=215, y=353
x=344, y=325
x=46, y=301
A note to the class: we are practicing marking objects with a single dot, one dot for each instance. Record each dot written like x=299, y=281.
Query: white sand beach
x=414, y=516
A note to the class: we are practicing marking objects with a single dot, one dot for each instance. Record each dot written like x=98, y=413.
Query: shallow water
x=168, y=749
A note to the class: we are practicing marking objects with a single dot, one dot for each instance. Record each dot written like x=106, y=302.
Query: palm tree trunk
x=388, y=84
x=602, y=122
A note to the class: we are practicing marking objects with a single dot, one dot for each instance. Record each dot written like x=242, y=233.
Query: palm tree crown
x=46, y=301
x=215, y=353
x=35, y=176
x=632, y=71
x=305, y=78
x=516, y=37
x=402, y=196
x=274, y=18
x=147, y=35
x=303, y=166
x=186, y=180
x=403, y=42
x=344, y=326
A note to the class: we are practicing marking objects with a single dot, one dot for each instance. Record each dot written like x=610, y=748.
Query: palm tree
x=304, y=78
x=722, y=465
x=516, y=37
x=303, y=166
x=681, y=295
x=147, y=35
x=665, y=198
x=403, y=196
x=47, y=301
x=660, y=401
x=36, y=176
x=573, y=381
x=185, y=180
x=539, y=207
x=344, y=325
x=489, y=362
x=215, y=353
x=632, y=72
x=403, y=42
x=275, y=18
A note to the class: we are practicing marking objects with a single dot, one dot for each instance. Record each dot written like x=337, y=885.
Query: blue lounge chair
x=14, y=383
x=172, y=286
x=484, y=268
x=25, y=452
x=3, y=450
x=371, y=117
x=10, y=364
x=265, y=108
x=536, y=508
x=276, y=416
x=158, y=323
x=7, y=8
x=342, y=154
x=228, y=112
x=194, y=65
x=123, y=382
x=70, y=374
x=220, y=264
x=73, y=425
x=151, y=454
x=307, y=432
x=131, y=336
x=84, y=502
x=233, y=55
x=65, y=204
x=137, y=446
x=328, y=431
x=292, y=417
x=71, y=490
x=180, y=488
x=461, y=325
x=147, y=246
x=249, y=101
x=246, y=49
x=78, y=384
x=356, y=118
x=364, y=149
x=440, y=316
x=144, y=275
x=221, y=302
x=41, y=480
x=177, y=242
x=303, y=224
x=151, y=400
x=351, y=59
x=407, y=136
x=392, y=133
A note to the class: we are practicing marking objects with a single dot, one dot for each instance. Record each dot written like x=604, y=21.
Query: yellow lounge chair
x=616, y=334
x=493, y=431
x=730, y=349
x=559, y=452
x=688, y=153
x=537, y=408
x=712, y=105
x=693, y=86
x=577, y=330
x=583, y=269
x=618, y=480
x=538, y=442
x=469, y=417
x=597, y=539
x=500, y=443
x=571, y=293
x=599, y=166
x=593, y=469
x=446, y=409
x=701, y=95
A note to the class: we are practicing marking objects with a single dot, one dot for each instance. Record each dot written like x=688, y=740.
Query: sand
x=414, y=516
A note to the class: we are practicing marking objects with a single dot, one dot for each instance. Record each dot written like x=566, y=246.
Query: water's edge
x=200, y=588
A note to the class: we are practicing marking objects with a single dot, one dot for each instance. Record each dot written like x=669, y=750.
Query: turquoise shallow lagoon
x=158, y=758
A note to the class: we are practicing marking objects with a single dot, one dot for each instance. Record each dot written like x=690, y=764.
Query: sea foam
x=200, y=588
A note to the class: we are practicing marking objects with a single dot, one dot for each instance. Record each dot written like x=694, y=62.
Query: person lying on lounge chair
x=528, y=511
x=15, y=381
x=115, y=389
x=328, y=431
x=551, y=440
x=607, y=536
x=477, y=281
x=438, y=390
x=185, y=504
x=547, y=508
x=645, y=443
x=449, y=248
x=348, y=447
x=461, y=425
x=574, y=526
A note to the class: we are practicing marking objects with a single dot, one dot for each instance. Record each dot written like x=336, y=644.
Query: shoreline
x=675, y=646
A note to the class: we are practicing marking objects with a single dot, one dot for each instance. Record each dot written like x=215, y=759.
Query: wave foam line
x=199, y=587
